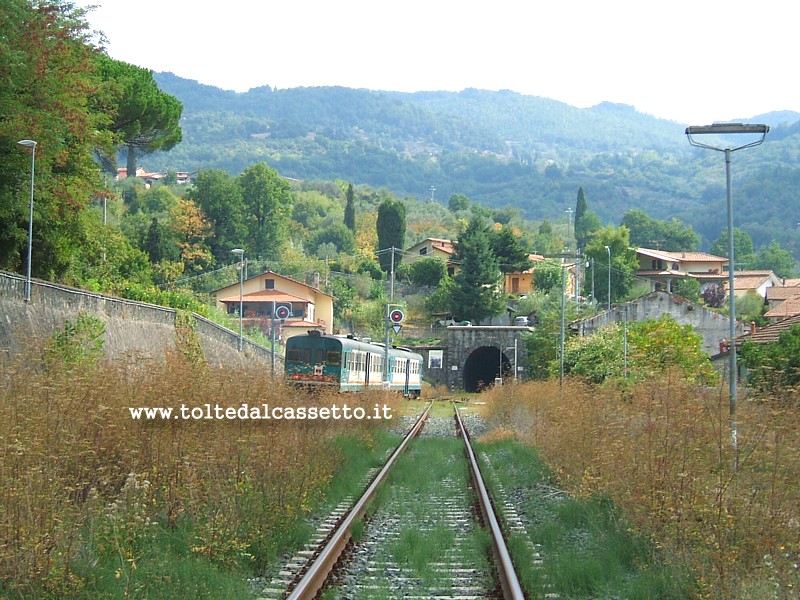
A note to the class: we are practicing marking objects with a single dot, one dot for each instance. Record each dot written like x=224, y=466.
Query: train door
x=367, y=367
x=407, y=378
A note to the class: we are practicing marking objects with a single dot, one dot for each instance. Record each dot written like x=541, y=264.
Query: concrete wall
x=134, y=330
x=434, y=376
x=712, y=326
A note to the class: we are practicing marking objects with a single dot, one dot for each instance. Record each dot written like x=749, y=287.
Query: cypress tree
x=580, y=210
x=350, y=209
x=391, y=228
x=154, y=245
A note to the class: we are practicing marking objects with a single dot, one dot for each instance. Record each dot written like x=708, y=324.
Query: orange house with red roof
x=309, y=307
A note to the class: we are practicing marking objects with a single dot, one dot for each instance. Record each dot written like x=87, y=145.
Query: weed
x=659, y=450
x=96, y=504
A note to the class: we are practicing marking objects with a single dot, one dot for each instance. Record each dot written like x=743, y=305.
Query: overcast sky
x=692, y=61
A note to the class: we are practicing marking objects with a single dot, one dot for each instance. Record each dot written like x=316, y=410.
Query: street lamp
x=514, y=348
x=32, y=145
x=569, y=220
x=609, y=278
x=721, y=129
x=240, y=253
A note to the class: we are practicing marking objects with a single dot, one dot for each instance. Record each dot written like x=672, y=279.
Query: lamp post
x=723, y=129
x=514, y=348
x=32, y=145
x=569, y=220
x=608, y=249
x=562, y=341
x=240, y=253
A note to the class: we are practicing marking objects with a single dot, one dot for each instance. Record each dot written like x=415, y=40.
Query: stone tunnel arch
x=474, y=354
x=482, y=366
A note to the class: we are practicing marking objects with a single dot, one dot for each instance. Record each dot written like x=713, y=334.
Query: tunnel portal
x=475, y=352
x=482, y=367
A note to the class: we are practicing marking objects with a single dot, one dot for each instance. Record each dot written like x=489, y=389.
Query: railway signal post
x=280, y=312
x=394, y=318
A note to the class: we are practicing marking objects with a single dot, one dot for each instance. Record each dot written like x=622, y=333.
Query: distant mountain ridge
x=498, y=148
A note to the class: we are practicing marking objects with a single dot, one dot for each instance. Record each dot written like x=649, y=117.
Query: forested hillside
x=498, y=148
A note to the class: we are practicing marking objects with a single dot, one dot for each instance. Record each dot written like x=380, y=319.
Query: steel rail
x=314, y=578
x=509, y=582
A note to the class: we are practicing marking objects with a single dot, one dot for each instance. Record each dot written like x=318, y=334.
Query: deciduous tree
x=48, y=93
x=775, y=258
x=743, y=248
x=428, y=271
x=220, y=198
x=194, y=231
x=672, y=235
x=623, y=263
x=268, y=204
x=775, y=367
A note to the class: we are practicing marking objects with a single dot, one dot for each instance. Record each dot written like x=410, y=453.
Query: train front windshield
x=313, y=356
x=313, y=359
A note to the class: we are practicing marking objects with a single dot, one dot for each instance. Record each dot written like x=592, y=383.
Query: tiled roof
x=657, y=273
x=777, y=292
x=266, y=296
x=273, y=273
x=443, y=245
x=750, y=280
x=302, y=324
x=770, y=333
x=682, y=256
x=787, y=308
x=710, y=276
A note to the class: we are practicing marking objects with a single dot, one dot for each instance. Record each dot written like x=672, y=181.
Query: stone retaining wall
x=134, y=330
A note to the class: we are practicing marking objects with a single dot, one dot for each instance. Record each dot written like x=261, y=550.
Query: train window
x=293, y=355
x=306, y=355
x=320, y=356
x=334, y=358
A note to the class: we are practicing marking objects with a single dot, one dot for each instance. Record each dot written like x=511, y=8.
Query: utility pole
x=391, y=277
x=387, y=324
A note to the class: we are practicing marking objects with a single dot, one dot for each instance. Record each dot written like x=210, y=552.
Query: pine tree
x=508, y=248
x=476, y=294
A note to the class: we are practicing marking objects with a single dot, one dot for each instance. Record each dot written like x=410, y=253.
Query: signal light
x=396, y=316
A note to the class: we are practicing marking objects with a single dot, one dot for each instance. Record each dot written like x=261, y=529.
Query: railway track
x=425, y=543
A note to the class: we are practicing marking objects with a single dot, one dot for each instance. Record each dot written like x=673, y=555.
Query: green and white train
x=350, y=365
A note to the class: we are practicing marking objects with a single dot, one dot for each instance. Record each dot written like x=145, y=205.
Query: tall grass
x=95, y=504
x=661, y=450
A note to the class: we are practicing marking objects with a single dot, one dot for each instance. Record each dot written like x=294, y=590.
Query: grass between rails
x=660, y=451
x=415, y=482
x=96, y=505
